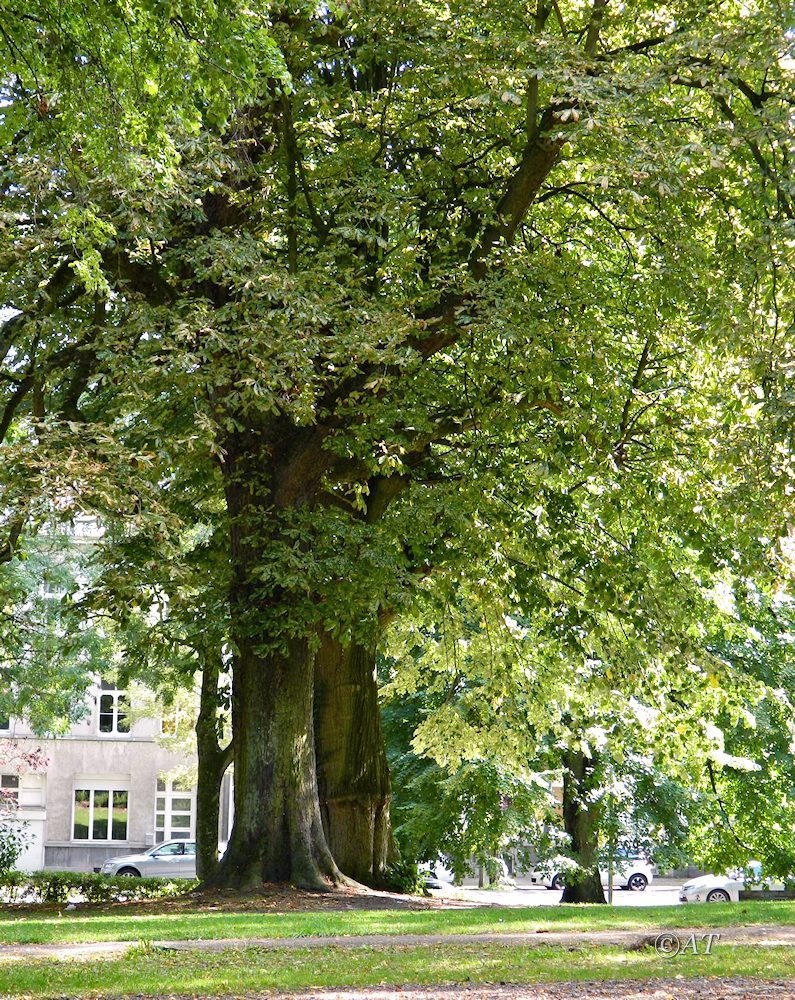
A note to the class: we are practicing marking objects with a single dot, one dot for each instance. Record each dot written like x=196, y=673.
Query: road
x=663, y=894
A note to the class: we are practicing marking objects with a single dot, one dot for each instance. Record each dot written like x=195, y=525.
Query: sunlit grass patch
x=250, y=970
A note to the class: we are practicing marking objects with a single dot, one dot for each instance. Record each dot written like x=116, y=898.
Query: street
x=664, y=893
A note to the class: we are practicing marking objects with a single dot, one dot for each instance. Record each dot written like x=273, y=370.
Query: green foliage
x=65, y=887
x=49, y=652
x=14, y=838
x=747, y=804
x=386, y=293
x=404, y=876
x=474, y=812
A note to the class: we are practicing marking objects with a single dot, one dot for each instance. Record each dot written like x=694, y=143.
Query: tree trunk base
x=359, y=836
x=587, y=890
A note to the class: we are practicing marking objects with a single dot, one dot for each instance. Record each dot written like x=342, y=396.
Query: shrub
x=404, y=876
x=14, y=838
x=65, y=887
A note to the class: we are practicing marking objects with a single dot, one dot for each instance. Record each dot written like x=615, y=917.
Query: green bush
x=14, y=837
x=404, y=876
x=63, y=887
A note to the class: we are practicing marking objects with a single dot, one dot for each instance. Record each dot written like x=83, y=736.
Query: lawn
x=118, y=925
x=249, y=970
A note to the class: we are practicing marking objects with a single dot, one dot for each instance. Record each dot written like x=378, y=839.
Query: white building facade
x=106, y=789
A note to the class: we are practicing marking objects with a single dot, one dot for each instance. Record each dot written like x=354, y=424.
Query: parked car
x=725, y=888
x=436, y=875
x=173, y=859
x=628, y=873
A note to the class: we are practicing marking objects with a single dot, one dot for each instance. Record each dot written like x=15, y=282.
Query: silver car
x=174, y=859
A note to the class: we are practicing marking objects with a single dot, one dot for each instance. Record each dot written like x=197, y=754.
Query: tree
x=476, y=811
x=47, y=655
x=367, y=237
x=14, y=835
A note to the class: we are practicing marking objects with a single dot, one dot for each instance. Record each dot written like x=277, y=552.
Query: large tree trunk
x=352, y=768
x=581, y=823
x=213, y=760
x=278, y=833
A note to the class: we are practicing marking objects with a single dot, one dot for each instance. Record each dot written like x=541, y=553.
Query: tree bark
x=213, y=760
x=581, y=823
x=352, y=769
x=278, y=833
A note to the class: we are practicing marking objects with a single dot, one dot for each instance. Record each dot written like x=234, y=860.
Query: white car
x=437, y=875
x=174, y=859
x=628, y=873
x=723, y=888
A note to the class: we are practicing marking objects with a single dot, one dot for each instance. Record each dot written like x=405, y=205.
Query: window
x=9, y=791
x=100, y=814
x=175, y=803
x=170, y=850
x=113, y=712
x=5, y=723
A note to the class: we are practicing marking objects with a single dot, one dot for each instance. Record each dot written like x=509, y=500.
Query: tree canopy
x=399, y=286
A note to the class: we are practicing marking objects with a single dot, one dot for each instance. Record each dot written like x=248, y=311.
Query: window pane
x=161, y=785
x=106, y=713
x=9, y=791
x=119, y=825
x=180, y=822
x=122, y=725
x=181, y=805
x=169, y=850
x=159, y=837
x=160, y=821
x=190, y=848
x=5, y=722
x=101, y=812
x=82, y=812
x=181, y=785
x=180, y=834
x=160, y=803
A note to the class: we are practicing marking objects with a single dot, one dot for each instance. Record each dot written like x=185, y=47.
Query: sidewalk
x=760, y=936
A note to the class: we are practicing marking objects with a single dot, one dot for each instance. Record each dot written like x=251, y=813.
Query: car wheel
x=718, y=896
x=637, y=882
x=557, y=881
x=129, y=871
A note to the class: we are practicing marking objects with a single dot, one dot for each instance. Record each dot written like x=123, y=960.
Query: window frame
x=167, y=831
x=118, y=696
x=92, y=787
x=10, y=800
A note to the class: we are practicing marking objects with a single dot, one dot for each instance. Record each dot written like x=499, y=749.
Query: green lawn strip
x=85, y=927
x=252, y=969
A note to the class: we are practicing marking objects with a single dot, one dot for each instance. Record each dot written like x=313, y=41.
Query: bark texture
x=278, y=833
x=213, y=760
x=581, y=823
x=352, y=769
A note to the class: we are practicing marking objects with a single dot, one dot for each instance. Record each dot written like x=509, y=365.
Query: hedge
x=65, y=887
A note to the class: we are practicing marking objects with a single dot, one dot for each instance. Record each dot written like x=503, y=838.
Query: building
x=105, y=791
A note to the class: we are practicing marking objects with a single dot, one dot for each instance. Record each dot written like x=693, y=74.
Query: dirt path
x=758, y=935
x=705, y=988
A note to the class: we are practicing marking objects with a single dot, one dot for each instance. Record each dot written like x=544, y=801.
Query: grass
x=250, y=970
x=84, y=926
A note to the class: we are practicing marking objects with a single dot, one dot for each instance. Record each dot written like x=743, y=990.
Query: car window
x=167, y=850
x=190, y=848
